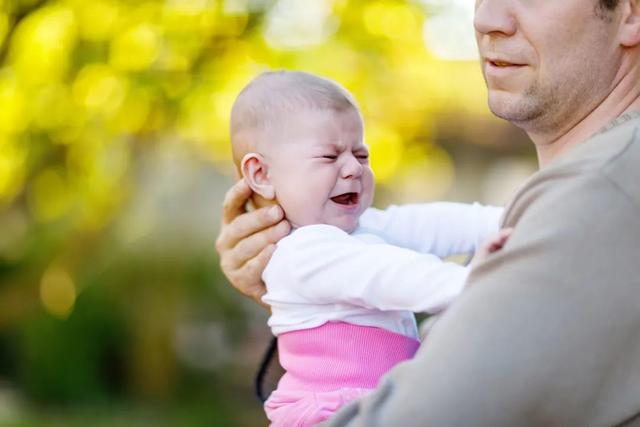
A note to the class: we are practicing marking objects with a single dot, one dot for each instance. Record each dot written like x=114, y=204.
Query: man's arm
x=247, y=240
x=439, y=228
x=546, y=335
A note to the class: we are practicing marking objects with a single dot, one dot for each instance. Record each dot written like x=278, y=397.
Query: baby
x=344, y=285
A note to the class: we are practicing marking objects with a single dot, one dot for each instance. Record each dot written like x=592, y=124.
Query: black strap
x=267, y=357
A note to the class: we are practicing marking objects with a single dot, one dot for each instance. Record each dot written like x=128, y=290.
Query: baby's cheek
x=370, y=193
x=288, y=203
x=302, y=212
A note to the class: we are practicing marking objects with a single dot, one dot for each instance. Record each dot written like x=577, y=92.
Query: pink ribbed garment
x=337, y=355
x=330, y=365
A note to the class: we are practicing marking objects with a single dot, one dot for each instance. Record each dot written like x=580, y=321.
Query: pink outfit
x=329, y=366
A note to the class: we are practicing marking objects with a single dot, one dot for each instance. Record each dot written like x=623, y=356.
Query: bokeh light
x=57, y=292
x=114, y=161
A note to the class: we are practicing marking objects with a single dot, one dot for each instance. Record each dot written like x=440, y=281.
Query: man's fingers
x=247, y=225
x=235, y=201
x=506, y=232
x=247, y=240
x=249, y=248
x=504, y=235
x=500, y=240
x=256, y=265
x=254, y=268
x=256, y=222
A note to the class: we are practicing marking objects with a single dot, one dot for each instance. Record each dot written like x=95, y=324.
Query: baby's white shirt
x=379, y=275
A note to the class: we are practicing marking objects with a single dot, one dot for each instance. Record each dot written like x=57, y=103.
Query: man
x=548, y=333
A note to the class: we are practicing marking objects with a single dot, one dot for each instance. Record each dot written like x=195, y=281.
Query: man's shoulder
x=601, y=170
x=607, y=150
x=603, y=152
x=623, y=167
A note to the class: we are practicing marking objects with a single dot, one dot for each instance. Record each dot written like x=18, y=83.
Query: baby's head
x=298, y=141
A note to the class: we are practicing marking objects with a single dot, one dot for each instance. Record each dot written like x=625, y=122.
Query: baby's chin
x=346, y=226
x=350, y=228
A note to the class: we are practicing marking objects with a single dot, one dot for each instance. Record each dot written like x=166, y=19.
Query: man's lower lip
x=492, y=68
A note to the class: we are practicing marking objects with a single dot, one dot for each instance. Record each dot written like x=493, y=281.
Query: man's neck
x=623, y=100
x=620, y=120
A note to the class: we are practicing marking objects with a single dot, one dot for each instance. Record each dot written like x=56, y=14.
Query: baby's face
x=320, y=169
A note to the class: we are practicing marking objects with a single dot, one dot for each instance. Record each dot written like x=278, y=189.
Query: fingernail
x=283, y=226
x=275, y=212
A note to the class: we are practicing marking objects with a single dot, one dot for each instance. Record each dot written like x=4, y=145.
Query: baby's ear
x=256, y=172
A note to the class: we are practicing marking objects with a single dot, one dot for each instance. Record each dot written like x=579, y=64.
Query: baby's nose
x=351, y=168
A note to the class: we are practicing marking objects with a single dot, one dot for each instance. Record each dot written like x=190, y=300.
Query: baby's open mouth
x=346, y=199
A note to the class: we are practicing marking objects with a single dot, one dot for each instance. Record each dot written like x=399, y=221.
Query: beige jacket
x=548, y=332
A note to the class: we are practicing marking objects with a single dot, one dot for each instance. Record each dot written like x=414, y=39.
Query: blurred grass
x=195, y=413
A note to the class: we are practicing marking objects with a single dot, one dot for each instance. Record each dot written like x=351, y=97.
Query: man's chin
x=512, y=108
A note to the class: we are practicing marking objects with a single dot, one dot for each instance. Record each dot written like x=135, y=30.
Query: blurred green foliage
x=84, y=85
x=104, y=311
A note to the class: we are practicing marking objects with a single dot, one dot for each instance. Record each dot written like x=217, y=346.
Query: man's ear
x=630, y=31
x=256, y=172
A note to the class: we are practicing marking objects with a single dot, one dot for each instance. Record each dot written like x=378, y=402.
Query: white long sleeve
x=440, y=228
x=320, y=273
x=325, y=265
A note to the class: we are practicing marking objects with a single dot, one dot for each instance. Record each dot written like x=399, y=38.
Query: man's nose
x=494, y=17
x=351, y=168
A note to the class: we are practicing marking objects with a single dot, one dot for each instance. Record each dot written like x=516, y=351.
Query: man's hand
x=247, y=240
x=491, y=245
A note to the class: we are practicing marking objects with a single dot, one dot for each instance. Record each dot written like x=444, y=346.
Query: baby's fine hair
x=267, y=99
